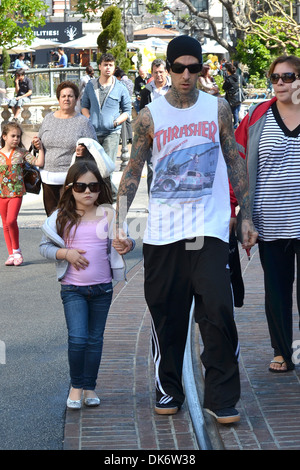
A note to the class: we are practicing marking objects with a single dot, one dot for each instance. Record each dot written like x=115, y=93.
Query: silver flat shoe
x=74, y=404
x=91, y=401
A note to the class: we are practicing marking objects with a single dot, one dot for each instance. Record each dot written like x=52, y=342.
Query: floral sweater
x=11, y=172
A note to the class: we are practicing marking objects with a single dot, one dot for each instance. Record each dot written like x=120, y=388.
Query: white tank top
x=189, y=194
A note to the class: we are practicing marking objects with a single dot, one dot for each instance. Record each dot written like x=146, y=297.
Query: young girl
x=12, y=157
x=78, y=236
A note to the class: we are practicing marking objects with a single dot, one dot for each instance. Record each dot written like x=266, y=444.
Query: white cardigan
x=51, y=242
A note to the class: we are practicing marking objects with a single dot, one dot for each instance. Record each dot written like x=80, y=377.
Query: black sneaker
x=225, y=415
x=166, y=408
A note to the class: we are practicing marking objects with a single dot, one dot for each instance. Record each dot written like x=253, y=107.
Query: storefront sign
x=60, y=32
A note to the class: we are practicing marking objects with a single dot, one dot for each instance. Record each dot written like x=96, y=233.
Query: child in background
x=12, y=188
x=78, y=236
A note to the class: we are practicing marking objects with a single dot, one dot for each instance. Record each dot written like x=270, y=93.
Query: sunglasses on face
x=287, y=77
x=177, y=67
x=81, y=187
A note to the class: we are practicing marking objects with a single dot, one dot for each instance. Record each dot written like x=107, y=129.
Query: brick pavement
x=269, y=405
x=125, y=420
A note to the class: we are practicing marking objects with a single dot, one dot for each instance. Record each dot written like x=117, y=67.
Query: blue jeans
x=110, y=143
x=235, y=112
x=86, y=309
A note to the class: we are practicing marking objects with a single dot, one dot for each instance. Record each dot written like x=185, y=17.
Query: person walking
x=159, y=86
x=106, y=102
x=89, y=74
x=139, y=83
x=12, y=188
x=63, y=58
x=268, y=138
x=59, y=133
x=233, y=86
x=78, y=237
x=185, y=246
x=125, y=80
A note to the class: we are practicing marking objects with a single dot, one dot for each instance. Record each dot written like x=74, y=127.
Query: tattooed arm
x=141, y=149
x=237, y=172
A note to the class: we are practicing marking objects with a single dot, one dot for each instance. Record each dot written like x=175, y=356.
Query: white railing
x=32, y=114
x=45, y=80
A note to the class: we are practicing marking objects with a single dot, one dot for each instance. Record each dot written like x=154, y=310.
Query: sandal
x=278, y=371
x=18, y=259
x=10, y=260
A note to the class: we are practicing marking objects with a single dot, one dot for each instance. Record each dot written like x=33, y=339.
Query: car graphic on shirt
x=189, y=180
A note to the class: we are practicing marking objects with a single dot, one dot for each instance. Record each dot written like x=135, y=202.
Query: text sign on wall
x=59, y=32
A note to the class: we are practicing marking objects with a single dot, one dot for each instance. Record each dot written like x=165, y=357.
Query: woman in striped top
x=269, y=138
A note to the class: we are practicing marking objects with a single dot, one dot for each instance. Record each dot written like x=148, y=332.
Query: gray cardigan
x=51, y=242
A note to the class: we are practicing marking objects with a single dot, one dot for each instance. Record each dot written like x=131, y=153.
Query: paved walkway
x=125, y=420
x=269, y=405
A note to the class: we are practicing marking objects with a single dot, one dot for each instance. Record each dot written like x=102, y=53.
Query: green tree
x=5, y=66
x=111, y=39
x=17, y=20
x=253, y=53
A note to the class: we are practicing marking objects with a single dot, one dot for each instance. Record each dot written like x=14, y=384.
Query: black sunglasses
x=177, y=67
x=287, y=77
x=81, y=187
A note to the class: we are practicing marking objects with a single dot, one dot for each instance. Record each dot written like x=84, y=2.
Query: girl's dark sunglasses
x=288, y=77
x=81, y=187
x=177, y=67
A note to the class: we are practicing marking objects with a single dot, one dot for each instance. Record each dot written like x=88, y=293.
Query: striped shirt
x=276, y=212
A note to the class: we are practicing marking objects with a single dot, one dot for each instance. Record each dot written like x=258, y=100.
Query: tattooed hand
x=237, y=171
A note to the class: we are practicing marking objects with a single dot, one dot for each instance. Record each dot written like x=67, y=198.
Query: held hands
x=36, y=142
x=76, y=259
x=121, y=243
x=249, y=234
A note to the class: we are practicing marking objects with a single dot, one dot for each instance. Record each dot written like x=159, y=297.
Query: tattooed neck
x=178, y=100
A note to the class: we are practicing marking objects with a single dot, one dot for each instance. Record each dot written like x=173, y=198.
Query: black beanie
x=183, y=45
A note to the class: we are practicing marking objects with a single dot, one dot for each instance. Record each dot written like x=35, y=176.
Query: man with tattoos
x=191, y=138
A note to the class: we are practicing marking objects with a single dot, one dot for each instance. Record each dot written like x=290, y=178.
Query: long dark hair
x=68, y=216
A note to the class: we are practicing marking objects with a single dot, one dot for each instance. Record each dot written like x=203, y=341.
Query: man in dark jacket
x=139, y=83
x=158, y=86
x=233, y=86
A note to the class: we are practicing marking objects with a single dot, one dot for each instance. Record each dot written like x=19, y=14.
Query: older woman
x=59, y=134
x=269, y=139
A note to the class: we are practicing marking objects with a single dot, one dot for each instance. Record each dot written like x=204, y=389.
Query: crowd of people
x=182, y=127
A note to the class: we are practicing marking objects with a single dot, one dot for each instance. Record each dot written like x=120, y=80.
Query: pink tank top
x=92, y=237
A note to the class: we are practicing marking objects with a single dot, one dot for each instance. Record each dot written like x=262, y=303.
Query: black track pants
x=173, y=276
